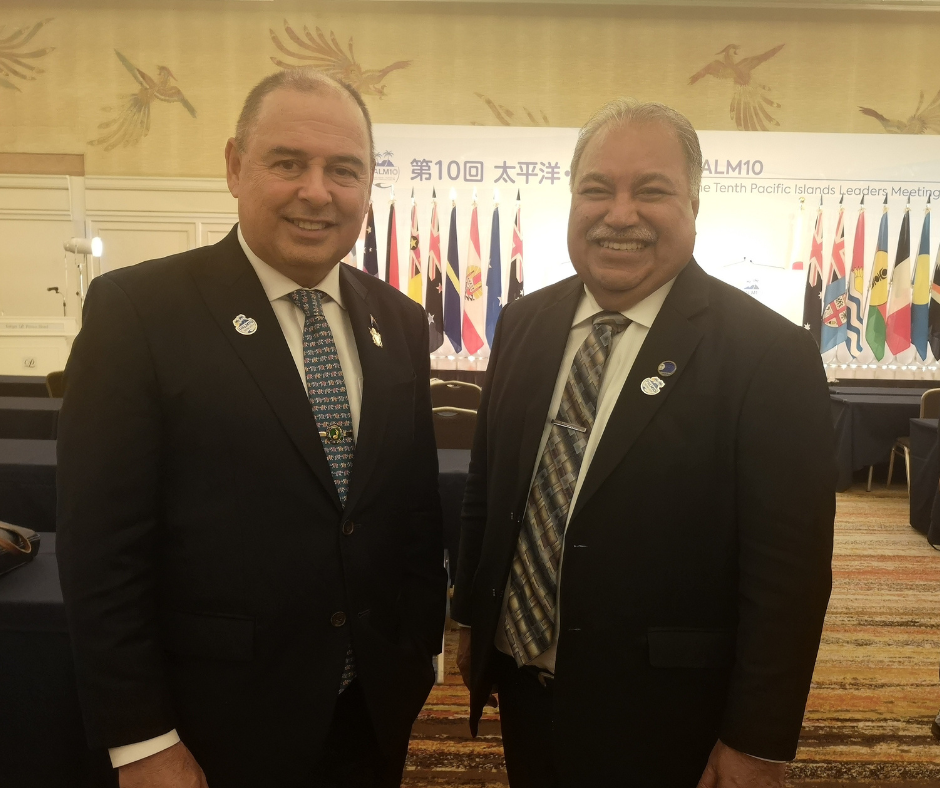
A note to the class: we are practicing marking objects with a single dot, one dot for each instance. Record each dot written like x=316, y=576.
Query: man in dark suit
x=249, y=528
x=647, y=527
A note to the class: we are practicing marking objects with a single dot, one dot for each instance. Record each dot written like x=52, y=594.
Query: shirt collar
x=644, y=312
x=276, y=285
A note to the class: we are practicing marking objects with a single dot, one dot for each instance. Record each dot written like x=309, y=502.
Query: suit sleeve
x=785, y=480
x=108, y=522
x=427, y=586
x=473, y=512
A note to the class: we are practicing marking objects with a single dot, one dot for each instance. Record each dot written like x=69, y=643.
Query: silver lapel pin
x=652, y=386
x=245, y=325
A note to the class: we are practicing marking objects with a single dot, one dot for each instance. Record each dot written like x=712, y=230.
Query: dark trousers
x=351, y=756
x=525, y=715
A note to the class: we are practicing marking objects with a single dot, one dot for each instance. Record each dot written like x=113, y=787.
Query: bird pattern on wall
x=749, y=101
x=13, y=60
x=507, y=117
x=923, y=121
x=329, y=57
x=132, y=122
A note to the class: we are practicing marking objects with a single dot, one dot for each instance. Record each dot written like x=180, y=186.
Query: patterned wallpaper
x=148, y=88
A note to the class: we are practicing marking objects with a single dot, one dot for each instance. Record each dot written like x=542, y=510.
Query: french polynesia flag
x=473, y=291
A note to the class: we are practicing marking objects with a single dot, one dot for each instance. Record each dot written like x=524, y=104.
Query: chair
x=929, y=409
x=55, y=384
x=454, y=427
x=455, y=394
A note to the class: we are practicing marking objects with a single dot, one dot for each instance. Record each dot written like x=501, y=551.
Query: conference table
x=868, y=420
x=23, y=386
x=29, y=418
x=41, y=735
x=27, y=483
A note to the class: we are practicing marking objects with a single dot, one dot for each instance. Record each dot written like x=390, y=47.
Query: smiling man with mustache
x=249, y=528
x=647, y=526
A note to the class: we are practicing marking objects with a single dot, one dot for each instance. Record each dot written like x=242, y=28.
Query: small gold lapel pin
x=374, y=331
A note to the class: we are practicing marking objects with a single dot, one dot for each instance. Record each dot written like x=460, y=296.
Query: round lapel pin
x=245, y=325
x=652, y=386
x=667, y=368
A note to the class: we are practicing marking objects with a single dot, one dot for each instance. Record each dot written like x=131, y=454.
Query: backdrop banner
x=754, y=188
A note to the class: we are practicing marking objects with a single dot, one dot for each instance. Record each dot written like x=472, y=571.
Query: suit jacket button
x=348, y=527
x=338, y=619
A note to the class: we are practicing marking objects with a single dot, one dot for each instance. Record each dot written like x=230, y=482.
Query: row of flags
x=903, y=305
x=474, y=326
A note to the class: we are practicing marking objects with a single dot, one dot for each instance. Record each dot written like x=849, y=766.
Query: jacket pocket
x=208, y=635
x=673, y=647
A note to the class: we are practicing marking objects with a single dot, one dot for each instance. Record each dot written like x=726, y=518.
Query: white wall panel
x=131, y=242
x=32, y=259
x=213, y=232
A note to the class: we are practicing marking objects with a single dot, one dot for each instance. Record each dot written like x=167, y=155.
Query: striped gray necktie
x=326, y=390
x=533, y=579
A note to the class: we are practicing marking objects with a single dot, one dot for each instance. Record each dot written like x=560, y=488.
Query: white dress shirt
x=624, y=349
x=290, y=317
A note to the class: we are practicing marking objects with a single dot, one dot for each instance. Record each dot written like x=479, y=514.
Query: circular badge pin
x=652, y=386
x=667, y=368
x=335, y=434
x=245, y=325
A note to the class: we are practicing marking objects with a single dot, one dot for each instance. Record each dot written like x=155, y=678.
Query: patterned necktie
x=326, y=390
x=533, y=583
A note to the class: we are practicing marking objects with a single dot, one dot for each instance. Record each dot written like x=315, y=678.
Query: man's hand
x=463, y=662
x=729, y=768
x=173, y=767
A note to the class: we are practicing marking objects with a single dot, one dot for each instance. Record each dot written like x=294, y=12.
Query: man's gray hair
x=627, y=110
x=304, y=80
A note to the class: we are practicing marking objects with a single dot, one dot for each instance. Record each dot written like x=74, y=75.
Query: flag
x=414, y=257
x=878, y=290
x=835, y=309
x=856, y=286
x=933, y=323
x=920, y=305
x=898, y=323
x=433, y=298
x=494, y=281
x=370, y=257
x=473, y=290
x=391, y=250
x=812, y=296
x=515, y=259
x=796, y=253
x=452, y=285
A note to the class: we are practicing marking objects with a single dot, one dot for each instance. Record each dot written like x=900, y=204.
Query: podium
x=35, y=345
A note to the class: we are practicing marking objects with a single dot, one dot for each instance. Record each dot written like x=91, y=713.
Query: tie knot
x=613, y=320
x=308, y=301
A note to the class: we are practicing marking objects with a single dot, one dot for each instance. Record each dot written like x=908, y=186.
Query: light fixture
x=92, y=246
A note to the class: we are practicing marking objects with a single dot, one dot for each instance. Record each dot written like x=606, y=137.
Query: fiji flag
x=452, y=285
x=494, y=281
x=856, y=286
x=920, y=305
x=835, y=310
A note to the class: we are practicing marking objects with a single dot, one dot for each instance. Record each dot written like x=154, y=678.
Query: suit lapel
x=383, y=368
x=230, y=287
x=672, y=337
x=547, y=336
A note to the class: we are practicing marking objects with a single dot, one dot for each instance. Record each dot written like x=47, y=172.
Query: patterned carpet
x=875, y=689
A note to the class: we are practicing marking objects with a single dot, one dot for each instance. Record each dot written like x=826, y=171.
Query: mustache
x=601, y=232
